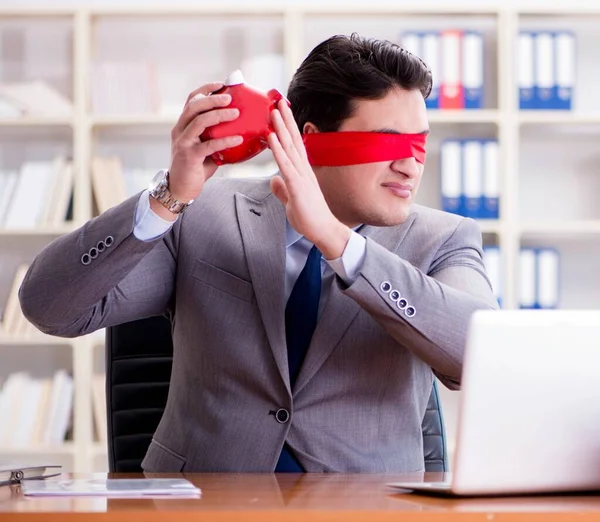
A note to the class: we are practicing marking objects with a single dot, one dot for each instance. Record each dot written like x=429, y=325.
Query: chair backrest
x=139, y=357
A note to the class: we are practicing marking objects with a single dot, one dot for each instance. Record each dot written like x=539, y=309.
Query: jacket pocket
x=161, y=459
x=224, y=281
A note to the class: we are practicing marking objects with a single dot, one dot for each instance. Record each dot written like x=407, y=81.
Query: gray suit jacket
x=361, y=394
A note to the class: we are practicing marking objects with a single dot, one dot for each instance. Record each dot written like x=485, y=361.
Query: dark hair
x=345, y=68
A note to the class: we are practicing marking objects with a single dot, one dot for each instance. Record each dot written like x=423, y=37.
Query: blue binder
x=528, y=279
x=526, y=67
x=473, y=72
x=451, y=176
x=548, y=278
x=544, y=77
x=472, y=178
x=491, y=180
x=431, y=55
x=565, y=59
x=492, y=261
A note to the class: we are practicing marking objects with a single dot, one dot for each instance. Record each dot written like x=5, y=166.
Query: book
x=492, y=261
x=12, y=473
x=105, y=487
x=472, y=178
x=451, y=176
x=472, y=69
x=431, y=57
x=34, y=98
x=544, y=70
x=526, y=63
x=564, y=48
x=37, y=411
x=548, y=277
x=491, y=180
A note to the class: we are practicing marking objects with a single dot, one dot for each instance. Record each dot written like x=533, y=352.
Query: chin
x=387, y=219
x=392, y=221
x=398, y=216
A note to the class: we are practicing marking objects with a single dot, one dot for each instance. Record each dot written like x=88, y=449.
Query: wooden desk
x=280, y=498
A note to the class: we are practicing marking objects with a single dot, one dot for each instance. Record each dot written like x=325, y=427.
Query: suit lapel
x=261, y=219
x=340, y=310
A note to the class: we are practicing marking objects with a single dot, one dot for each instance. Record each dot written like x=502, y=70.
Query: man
x=310, y=311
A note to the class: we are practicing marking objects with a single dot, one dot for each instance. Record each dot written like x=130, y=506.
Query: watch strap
x=163, y=195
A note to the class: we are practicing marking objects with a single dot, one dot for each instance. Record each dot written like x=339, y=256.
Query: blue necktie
x=301, y=313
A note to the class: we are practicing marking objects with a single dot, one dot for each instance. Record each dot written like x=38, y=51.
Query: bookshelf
x=548, y=164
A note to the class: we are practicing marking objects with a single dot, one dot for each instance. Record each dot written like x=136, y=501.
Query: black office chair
x=139, y=357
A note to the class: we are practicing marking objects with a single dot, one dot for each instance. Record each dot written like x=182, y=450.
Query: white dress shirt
x=149, y=226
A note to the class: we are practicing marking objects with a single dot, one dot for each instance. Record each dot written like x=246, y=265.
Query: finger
x=198, y=106
x=191, y=135
x=204, y=90
x=284, y=138
x=210, y=167
x=286, y=167
x=292, y=127
x=206, y=148
x=279, y=188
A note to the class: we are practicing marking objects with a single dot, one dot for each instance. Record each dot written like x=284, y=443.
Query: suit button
x=109, y=241
x=282, y=416
x=410, y=311
x=93, y=252
x=402, y=303
x=394, y=295
x=386, y=287
x=101, y=247
x=86, y=259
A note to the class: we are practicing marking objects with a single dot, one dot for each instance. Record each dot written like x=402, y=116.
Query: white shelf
x=404, y=8
x=464, y=116
x=40, y=339
x=133, y=120
x=35, y=12
x=206, y=9
x=68, y=448
x=567, y=8
x=29, y=232
x=557, y=118
x=434, y=116
x=574, y=228
x=376, y=8
x=36, y=122
x=490, y=226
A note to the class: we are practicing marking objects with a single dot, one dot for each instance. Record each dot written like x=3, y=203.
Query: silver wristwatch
x=159, y=190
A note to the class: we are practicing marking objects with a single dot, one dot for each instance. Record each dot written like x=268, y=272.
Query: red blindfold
x=335, y=149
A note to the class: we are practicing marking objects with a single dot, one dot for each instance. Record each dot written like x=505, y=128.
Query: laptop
x=529, y=412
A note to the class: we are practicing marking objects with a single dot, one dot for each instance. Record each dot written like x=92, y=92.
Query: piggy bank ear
x=235, y=78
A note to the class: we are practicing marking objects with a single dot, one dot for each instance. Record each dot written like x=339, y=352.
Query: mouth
x=398, y=189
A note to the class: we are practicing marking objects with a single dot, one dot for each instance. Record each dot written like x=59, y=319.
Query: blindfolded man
x=310, y=311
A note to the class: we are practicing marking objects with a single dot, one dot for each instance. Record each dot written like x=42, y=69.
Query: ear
x=309, y=128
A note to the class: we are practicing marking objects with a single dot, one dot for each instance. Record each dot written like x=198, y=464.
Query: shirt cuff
x=148, y=225
x=350, y=264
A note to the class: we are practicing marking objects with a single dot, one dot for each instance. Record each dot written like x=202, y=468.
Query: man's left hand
x=298, y=189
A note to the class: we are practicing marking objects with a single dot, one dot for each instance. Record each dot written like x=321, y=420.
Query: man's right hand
x=191, y=164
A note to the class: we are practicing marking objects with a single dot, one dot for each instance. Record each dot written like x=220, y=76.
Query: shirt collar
x=291, y=236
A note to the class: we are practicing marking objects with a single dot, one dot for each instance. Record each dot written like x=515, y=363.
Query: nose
x=407, y=167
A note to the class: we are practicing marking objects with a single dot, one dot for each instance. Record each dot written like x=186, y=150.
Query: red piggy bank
x=253, y=123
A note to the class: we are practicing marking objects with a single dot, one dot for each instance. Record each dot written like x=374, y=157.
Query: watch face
x=156, y=180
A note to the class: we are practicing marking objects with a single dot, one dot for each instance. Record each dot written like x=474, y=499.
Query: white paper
x=122, y=488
